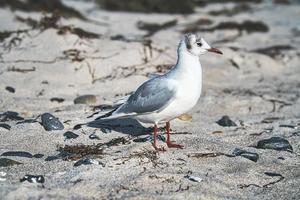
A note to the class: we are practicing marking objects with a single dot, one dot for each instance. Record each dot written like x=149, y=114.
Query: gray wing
x=151, y=96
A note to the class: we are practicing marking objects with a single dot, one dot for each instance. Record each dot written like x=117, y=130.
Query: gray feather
x=151, y=96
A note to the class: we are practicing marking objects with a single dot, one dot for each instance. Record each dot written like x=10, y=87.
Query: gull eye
x=199, y=44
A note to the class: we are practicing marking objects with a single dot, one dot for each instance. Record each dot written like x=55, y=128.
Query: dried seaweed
x=152, y=28
x=248, y=26
x=274, y=51
x=208, y=155
x=14, y=69
x=239, y=8
x=42, y=6
x=272, y=174
x=149, y=6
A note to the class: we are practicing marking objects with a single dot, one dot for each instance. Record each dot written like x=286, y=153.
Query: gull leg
x=155, y=140
x=169, y=143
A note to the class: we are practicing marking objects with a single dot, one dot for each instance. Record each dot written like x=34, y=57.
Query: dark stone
x=5, y=162
x=18, y=153
x=77, y=126
x=10, y=115
x=10, y=89
x=276, y=143
x=226, y=121
x=70, y=135
x=4, y=125
x=149, y=6
x=87, y=161
x=38, y=155
x=93, y=136
x=33, y=178
x=281, y=158
x=59, y=100
x=85, y=99
x=50, y=122
x=246, y=154
x=149, y=138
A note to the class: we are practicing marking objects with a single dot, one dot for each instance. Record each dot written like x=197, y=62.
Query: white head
x=196, y=45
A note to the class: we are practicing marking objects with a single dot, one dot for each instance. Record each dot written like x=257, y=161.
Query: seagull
x=166, y=97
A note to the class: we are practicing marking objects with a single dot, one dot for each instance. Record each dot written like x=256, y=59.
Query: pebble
x=10, y=89
x=4, y=125
x=86, y=99
x=10, y=115
x=226, y=121
x=246, y=154
x=276, y=143
x=70, y=135
x=50, y=122
x=88, y=161
x=33, y=178
x=57, y=99
x=149, y=138
x=5, y=162
x=193, y=178
x=93, y=136
x=23, y=154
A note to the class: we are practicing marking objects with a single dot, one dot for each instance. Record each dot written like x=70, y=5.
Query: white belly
x=187, y=95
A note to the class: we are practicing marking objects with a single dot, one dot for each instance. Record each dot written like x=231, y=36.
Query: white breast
x=189, y=86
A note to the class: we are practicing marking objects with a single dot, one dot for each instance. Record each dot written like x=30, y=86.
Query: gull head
x=197, y=45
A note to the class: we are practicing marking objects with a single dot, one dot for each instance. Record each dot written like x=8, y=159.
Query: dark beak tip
x=215, y=50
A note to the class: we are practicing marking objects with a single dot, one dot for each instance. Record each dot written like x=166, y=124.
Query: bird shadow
x=126, y=126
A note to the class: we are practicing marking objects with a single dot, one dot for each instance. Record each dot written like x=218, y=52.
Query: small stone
x=9, y=116
x=70, y=135
x=4, y=125
x=33, y=178
x=50, y=122
x=193, y=178
x=226, y=121
x=185, y=117
x=149, y=138
x=87, y=161
x=86, y=99
x=5, y=162
x=93, y=136
x=10, y=89
x=246, y=154
x=77, y=126
x=18, y=154
x=276, y=143
x=38, y=155
x=57, y=99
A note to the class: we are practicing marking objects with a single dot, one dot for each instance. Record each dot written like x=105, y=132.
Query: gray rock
x=87, y=161
x=246, y=154
x=226, y=121
x=50, y=122
x=70, y=135
x=33, y=178
x=276, y=143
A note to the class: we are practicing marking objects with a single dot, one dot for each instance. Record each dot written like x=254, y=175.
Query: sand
x=245, y=83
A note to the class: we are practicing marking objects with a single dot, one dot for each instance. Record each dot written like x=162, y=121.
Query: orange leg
x=169, y=143
x=155, y=140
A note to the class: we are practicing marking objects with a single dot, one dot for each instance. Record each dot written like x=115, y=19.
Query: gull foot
x=173, y=145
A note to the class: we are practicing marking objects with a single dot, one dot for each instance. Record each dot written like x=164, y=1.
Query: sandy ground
x=249, y=83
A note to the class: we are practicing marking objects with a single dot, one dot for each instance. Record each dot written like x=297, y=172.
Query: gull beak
x=214, y=50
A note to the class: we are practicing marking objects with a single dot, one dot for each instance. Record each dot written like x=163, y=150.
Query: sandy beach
x=74, y=58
